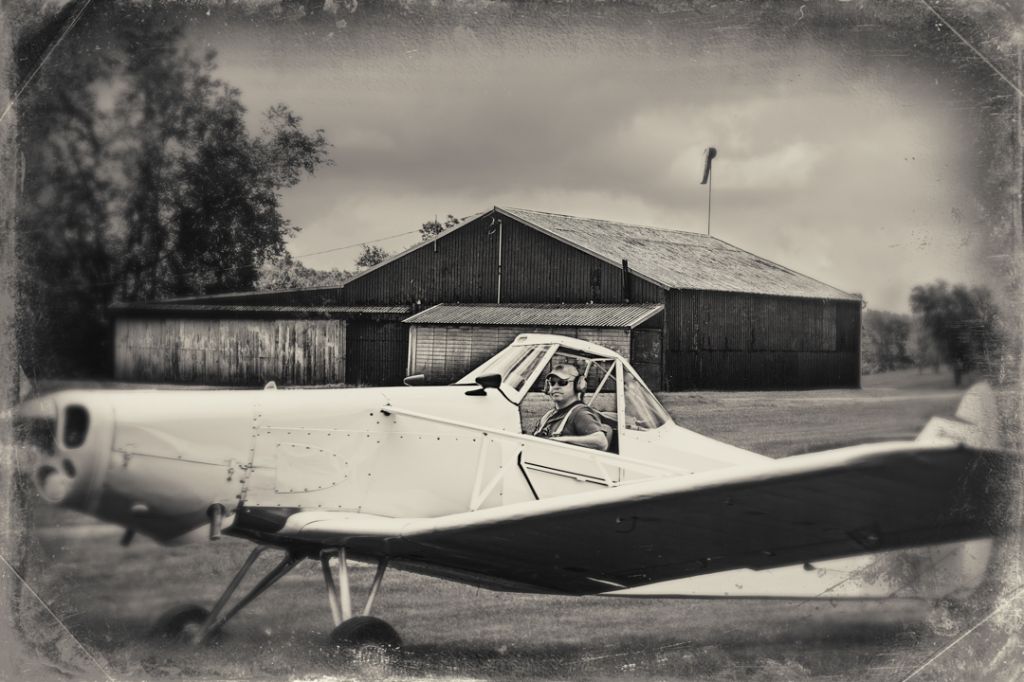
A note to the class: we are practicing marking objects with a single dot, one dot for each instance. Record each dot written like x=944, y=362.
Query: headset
x=579, y=384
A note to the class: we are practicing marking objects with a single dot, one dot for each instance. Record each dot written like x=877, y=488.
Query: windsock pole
x=709, y=154
x=709, y=202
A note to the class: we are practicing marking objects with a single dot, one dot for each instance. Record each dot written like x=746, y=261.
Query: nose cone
x=68, y=436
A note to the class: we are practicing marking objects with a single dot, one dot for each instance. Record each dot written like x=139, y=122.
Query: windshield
x=515, y=364
x=643, y=411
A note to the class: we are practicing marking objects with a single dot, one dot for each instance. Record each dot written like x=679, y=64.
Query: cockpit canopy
x=613, y=387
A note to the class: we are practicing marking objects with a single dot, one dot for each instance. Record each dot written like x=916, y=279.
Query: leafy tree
x=962, y=322
x=371, y=255
x=142, y=180
x=432, y=228
x=922, y=347
x=884, y=341
x=284, y=272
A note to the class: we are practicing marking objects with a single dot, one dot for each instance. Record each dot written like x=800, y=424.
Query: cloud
x=847, y=175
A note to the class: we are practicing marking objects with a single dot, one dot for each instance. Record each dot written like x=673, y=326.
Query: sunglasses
x=557, y=381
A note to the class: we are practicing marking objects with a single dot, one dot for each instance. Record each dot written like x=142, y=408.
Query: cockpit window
x=600, y=378
x=515, y=364
x=643, y=411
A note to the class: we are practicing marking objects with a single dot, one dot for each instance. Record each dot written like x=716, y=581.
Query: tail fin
x=976, y=423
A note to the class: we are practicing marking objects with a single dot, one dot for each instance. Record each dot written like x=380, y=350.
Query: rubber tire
x=173, y=622
x=360, y=631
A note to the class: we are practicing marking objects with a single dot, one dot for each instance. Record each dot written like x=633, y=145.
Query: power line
x=354, y=244
x=210, y=269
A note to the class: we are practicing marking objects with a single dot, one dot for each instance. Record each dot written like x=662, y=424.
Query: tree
x=922, y=347
x=371, y=255
x=432, y=228
x=142, y=181
x=884, y=341
x=962, y=322
x=284, y=272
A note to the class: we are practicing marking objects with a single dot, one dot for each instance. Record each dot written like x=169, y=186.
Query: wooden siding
x=230, y=352
x=462, y=267
x=377, y=352
x=717, y=340
x=445, y=354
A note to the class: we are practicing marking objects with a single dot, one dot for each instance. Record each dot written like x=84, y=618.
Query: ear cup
x=581, y=384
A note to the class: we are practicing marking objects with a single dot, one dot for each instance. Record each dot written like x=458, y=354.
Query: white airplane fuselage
x=159, y=461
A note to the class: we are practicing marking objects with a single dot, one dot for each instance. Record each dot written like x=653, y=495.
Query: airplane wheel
x=362, y=631
x=180, y=621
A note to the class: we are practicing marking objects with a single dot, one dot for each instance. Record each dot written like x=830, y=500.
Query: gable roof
x=672, y=259
x=676, y=259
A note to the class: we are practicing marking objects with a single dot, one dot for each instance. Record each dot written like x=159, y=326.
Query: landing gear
x=181, y=621
x=360, y=631
x=355, y=631
x=350, y=632
x=200, y=625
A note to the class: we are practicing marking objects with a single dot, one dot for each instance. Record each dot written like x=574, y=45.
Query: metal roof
x=199, y=298
x=161, y=306
x=676, y=259
x=539, y=314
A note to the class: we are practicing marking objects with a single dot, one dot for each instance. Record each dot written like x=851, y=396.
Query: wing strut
x=339, y=595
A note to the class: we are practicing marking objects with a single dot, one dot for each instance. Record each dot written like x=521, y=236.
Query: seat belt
x=565, y=420
x=561, y=426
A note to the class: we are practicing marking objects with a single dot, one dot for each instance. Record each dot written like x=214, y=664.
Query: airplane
x=447, y=481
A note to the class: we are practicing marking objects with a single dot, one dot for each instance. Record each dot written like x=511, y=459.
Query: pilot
x=570, y=421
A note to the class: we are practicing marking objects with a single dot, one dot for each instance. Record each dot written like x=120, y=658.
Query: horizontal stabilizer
x=976, y=423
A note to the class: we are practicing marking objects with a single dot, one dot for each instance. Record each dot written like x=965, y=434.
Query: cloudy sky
x=850, y=168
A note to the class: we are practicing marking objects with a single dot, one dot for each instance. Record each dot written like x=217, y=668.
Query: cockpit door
x=560, y=470
x=644, y=424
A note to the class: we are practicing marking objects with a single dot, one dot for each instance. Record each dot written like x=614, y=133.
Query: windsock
x=709, y=154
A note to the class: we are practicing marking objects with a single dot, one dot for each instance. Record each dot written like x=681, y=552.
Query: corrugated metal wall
x=462, y=267
x=230, y=352
x=445, y=353
x=718, y=340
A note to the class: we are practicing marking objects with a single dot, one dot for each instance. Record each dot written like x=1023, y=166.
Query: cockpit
x=612, y=387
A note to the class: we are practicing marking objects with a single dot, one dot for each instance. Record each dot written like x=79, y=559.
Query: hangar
x=690, y=311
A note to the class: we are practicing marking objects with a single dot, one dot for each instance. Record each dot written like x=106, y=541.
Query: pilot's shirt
x=581, y=421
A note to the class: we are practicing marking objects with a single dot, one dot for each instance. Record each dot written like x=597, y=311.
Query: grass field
x=108, y=595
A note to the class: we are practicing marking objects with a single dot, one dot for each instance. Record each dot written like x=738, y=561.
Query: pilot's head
x=564, y=383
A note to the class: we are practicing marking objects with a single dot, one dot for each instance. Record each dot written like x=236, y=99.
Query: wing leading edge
x=804, y=508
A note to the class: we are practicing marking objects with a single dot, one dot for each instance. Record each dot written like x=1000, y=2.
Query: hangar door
x=377, y=353
x=645, y=356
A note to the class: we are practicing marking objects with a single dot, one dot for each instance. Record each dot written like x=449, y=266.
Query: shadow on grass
x=779, y=655
x=250, y=650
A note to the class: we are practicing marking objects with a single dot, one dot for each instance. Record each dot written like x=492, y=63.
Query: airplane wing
x=804, y=508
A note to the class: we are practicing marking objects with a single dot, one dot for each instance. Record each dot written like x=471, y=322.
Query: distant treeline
x=956, y=325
